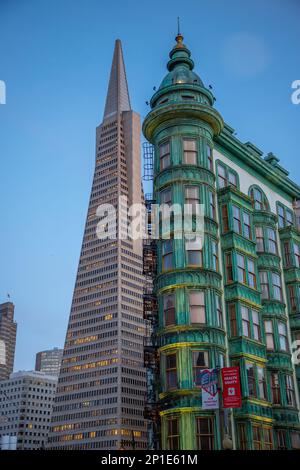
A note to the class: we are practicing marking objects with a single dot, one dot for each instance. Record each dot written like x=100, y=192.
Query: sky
x=55, y=58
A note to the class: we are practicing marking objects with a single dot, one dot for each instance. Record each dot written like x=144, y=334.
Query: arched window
x=259, y=199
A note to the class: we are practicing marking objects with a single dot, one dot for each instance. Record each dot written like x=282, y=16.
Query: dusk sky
x=55, y=60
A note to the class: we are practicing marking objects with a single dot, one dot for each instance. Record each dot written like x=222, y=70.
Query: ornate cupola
x=182, y=91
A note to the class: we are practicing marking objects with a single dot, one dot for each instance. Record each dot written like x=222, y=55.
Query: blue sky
x=55, y=58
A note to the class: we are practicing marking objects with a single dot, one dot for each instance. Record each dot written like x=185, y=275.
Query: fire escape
x=151, y=359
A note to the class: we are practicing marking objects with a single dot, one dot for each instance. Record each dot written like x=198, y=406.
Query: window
x=246, y=322
x=269, y=334
x=272, y=241
x=200, y=362
x=247, y=226
x=289, y=217
x=169, y=309
x=190, y=151
x=285, y=216
x=194, y=252
x=171, y=371
x=232, y=178
x=251, y=380
x=226, y=177
x=192, y=199
x=292, y=298
x=256, y=437
x=222, y=180
x=259, y=200
x=197, y=307
x=212, y=207
x=287, y=254
x=167, y=255
x=164, y=155
x=281, y=216
x=262, y=389
x=264, y=285
x=277, y=288
x=283, y=340
x=251, y=274
x=297, y=254
x=166, y=196
x=209, y=157
x=242, y=436
x=219, y=311
x=268, y=438
x=232, y=320
x=225, y=221
x=173, y=439
x=259, y=233
x=295, y=438
x=205, y=433
x=256, y=325
x=241, y=269
x=275, y=389
x=237, y=226
x=215, y=256
x=290, y=390
x=229, y=269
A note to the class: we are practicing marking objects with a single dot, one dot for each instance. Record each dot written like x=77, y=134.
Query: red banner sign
x=232, y=397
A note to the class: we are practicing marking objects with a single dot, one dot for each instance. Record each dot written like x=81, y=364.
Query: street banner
x=232, y=397
x=209, y=385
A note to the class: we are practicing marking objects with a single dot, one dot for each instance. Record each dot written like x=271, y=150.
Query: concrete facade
x=26, y=401
x=49, y=361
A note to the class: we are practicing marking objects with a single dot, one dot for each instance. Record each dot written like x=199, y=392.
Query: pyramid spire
x=117, y=99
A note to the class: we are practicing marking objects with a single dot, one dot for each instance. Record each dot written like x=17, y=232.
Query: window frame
x=164, y=156
x=190, y=152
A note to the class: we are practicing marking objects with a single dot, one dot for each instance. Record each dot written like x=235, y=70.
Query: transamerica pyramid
x=102, y=383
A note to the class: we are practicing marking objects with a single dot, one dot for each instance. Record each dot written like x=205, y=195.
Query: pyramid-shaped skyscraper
x=101, y=389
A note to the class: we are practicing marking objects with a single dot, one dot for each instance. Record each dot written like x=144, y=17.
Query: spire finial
x=179, y=37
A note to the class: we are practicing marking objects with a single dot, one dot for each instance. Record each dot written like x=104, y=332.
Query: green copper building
x=236, y=301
